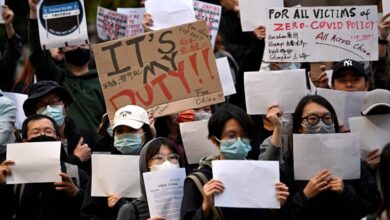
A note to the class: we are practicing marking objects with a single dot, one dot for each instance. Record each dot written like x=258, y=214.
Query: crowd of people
x=65, y=103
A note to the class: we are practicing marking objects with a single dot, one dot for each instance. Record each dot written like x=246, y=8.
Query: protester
x=384, y=179
x=81, y=82
x=131, y=131
x=7, y=121
x=380, y=69
x=229, y=130
x=11, y=53
x=325, y=196
x=158, y=154
x=375, y=102
x=49, y=98
x=349, y=75
x=61, y=200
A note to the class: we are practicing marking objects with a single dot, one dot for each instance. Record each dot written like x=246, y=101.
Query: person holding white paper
x=81, y=81
x=11, y=52
x=230, y=130
x=158, y=154
x=131, y=130
x=375, y=102
x=325, y=196
x=61, y=200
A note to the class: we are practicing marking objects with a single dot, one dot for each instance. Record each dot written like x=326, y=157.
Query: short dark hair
x=35, y=117
x=297, y=116
x=154, y=148
x=148, y=132
x=218, y=120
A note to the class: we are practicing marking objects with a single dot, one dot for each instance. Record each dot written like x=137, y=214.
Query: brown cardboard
x=164, y=71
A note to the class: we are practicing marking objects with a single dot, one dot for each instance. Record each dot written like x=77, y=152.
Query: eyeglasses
x=52, y=102
x=38, y=132
x=161, y=158
x=328, y=119
x=233, y=139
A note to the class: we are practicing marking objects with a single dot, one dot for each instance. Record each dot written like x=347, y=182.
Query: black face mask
x=44, y=138
x=78, y=57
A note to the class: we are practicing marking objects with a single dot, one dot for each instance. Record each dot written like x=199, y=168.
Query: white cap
x=132, y=116
x=374, y=99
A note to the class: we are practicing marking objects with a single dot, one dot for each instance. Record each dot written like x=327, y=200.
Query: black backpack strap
x=135, y=210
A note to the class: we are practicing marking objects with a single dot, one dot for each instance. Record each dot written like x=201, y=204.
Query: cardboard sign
x=62, y=25
x=135, y=17
x=110, y=25
x=321, y=34
x=163, y=71
x=211, y=14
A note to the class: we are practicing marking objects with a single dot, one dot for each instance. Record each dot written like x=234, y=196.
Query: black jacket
x=73, y=133
x=360, y=197
x=193, y=199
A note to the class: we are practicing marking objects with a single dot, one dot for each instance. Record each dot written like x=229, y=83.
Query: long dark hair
x=316, y=99
x=384, y=178
x=297, y=118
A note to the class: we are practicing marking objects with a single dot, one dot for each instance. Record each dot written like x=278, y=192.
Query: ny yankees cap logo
x=348, y=63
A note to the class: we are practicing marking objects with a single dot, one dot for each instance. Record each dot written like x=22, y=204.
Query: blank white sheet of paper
x=195, y=141
x=35, y=162
x=248, y=184
x=266, y=88
x=225, y=75
x=115, y=174
x=168, y=13
x=373, y=131
x=338, y=153
x=253, y=13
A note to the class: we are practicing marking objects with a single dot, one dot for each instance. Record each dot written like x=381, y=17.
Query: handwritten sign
x=110, y=24
x=315, y=34
x=62, y=25
x=163, y=71
x=211, y=14
x=135, y=16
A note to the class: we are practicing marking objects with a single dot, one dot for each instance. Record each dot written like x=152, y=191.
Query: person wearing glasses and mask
x=51, y=99
x=325, y=196
x=59, y=200
x=230, y=130
x=131, y=130
x=158, y=154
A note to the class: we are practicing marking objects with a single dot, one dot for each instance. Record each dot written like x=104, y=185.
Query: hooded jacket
x=138, y=209
x=191, y=206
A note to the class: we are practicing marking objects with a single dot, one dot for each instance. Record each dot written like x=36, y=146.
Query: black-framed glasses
x=313, y=119
x=52, y=102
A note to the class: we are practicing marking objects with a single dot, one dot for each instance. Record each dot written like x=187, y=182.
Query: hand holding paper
x=5, y=170
x=317, y=184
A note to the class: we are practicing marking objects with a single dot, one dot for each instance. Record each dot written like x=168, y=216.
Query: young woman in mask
x=325, y=196
x=158, y=154
x=230, y=130
x=131, y=130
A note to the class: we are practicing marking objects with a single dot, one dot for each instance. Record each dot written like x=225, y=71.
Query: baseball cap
x=375, y=99
x=40, y=89
x=340, y=67
x=132, y=116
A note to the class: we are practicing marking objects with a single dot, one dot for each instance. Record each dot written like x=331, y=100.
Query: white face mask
x=164, y=166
